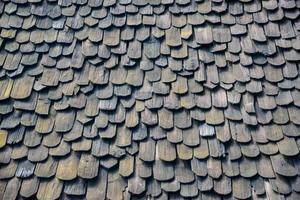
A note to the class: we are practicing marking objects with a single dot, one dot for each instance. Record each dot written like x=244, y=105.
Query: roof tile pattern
x=149, y=99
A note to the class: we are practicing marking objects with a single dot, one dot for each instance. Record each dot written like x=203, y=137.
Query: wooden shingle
x=106, y=99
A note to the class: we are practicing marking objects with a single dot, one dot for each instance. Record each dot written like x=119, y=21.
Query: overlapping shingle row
x=149, y=99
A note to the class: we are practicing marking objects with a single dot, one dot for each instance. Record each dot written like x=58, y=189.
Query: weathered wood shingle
x=103, y=99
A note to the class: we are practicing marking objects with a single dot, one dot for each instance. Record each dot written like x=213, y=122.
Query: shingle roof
x=149, y=99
